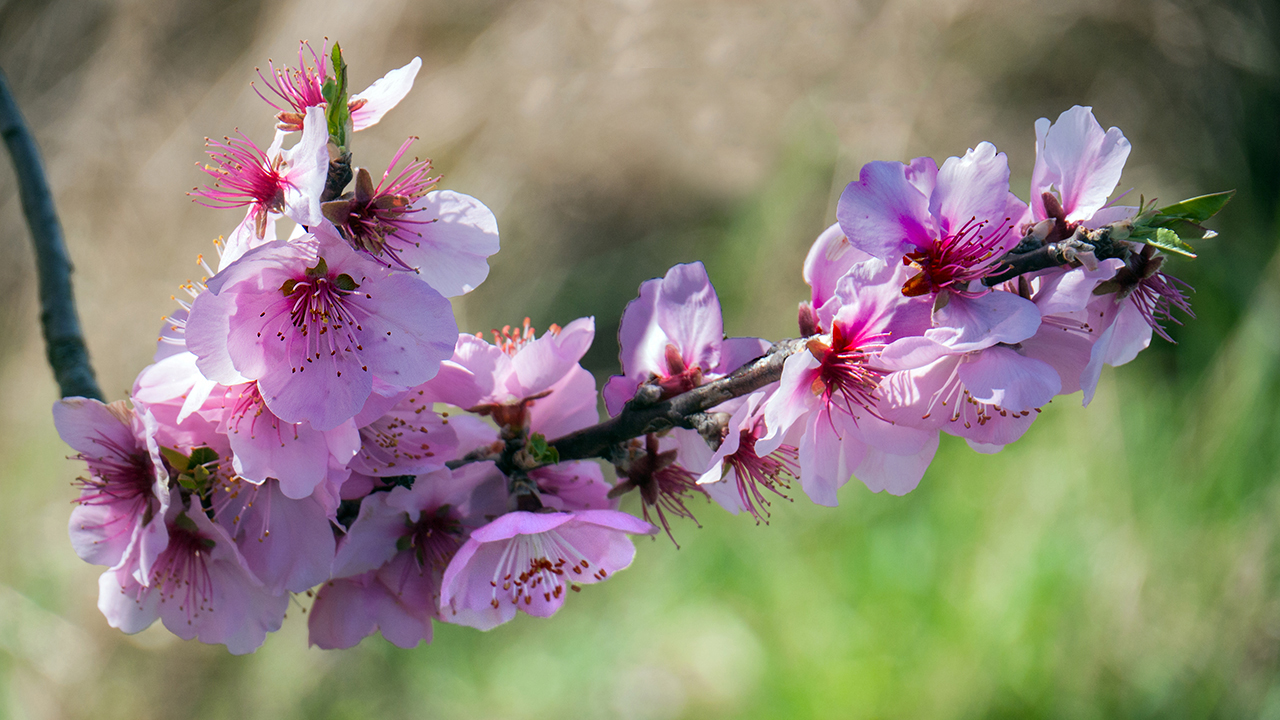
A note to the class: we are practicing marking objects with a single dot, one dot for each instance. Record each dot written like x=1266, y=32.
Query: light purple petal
x=829, y=258
x=965, y=324
x=884, y=214
x=457, y=235
x=688, y=312
x=1000, y=376
x=972, y=188
x=1079, y=160
x=307, y=170
x=543, y=362
x=897, y=474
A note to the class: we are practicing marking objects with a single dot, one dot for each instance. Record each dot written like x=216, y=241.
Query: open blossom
x=118, y=518
x=277, y=181
x=199, y=586
x=952, y=225
x=738, y=475
x=287, y=543
x=388, y=570
x=672, y=335
x=314, y=325
x=831, y=390
x=503, y=380
x=443, y=236
x=528, y=561
x=301, y=88
x=1077, y=167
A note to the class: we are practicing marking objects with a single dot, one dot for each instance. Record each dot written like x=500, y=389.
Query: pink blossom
x=526, y=561
x=199, y=586
x=286, y=542
x=672, y=335
x=276, y=181
x=443, y=236
x=952, y=225
x=295, y=454
x=831, y=390
x=302, y=88
x=388, y=569
x=407, y=439
x=738, y=476
x=1077, y=167
x=118, y=515
x=287, y=308
x=503, y=380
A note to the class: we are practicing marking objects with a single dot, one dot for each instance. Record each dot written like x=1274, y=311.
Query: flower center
x=953, y=261
x=541, y=564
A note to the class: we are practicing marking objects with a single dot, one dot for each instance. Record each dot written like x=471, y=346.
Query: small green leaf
x=404, y=543
x=1196, y=209
x=335, y=95
x=346, y=282
x=186, y=482
x=203, y=455
x=320, y=270
x=177, y=460
x=208, y=543
x=540, y=451
x=1166, y=239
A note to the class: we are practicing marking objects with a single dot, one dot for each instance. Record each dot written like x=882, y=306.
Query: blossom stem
x=680, y=411
x=64, y=340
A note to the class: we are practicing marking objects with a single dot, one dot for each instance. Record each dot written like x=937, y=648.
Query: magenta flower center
x=953, y=261
x=755, y=474
x=320, y=313
x=843, y=376
x=243, y=176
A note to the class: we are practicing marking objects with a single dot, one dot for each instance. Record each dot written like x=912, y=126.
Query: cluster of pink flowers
x=313, y=419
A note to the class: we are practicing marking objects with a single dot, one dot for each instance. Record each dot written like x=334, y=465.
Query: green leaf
x=1196, y=210
x=203, y=455
x=335, y=94
x=346, y=282
x=540, y=451
x=177, y=460
x=1166, y=239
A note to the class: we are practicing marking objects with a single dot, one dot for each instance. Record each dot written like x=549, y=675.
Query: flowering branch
x=314, y=418
x=64, y=341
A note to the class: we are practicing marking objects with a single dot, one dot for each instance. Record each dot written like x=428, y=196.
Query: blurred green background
x=1119, y=561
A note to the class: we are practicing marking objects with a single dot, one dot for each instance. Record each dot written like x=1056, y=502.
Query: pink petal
x=884, y=214
x=384, y=94
x=965, y=324
x=974, y=187
x=1077, y=158
x=457, y=236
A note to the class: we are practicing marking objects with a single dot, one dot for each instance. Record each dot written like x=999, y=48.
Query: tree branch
x=638, y=420
x=64, y=341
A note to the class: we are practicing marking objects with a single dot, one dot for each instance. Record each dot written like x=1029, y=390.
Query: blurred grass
x=1119, y=561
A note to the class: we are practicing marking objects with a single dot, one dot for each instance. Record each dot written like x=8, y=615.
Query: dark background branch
x=64, y=341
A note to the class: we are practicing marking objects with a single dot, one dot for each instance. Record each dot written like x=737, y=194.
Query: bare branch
x=64, y=341
x=635, y=421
